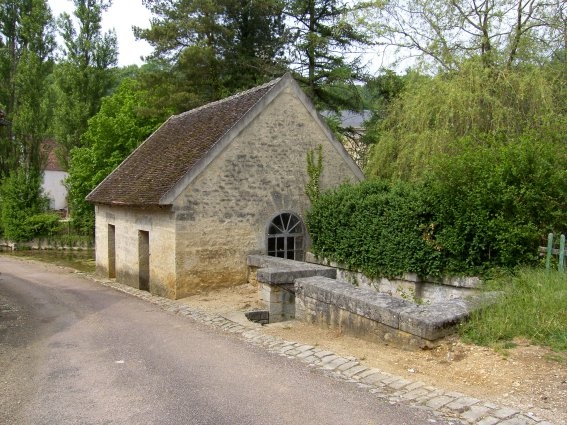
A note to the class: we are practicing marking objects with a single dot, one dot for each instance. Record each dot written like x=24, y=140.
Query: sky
x=122, y=15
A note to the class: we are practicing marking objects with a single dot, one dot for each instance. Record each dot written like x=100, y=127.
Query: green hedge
x=487, y=207
x=378, y=228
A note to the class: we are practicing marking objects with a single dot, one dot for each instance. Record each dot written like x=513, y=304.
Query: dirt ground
x=530, y=378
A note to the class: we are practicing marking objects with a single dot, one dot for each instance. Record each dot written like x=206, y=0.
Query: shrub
x=22, y=200
x=44, y=224
x=485, y=208
x=375, y=227
x=494, y=201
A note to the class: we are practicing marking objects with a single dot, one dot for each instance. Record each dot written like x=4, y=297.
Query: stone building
x=213, y=185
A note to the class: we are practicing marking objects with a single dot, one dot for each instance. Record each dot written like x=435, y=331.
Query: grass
x=533, y=306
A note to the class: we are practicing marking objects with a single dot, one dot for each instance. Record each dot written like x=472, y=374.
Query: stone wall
x=127, y=225
x=223, y=214
x=409, y=286
x=369, y=315
x=274, y=280
x=319, y=298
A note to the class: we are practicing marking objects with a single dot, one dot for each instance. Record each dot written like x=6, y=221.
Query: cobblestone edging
x=393, y=389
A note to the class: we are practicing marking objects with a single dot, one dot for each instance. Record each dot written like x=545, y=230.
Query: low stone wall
x=274, y=278
x=311, y=293
x=370, y=315
x=38, y=244
x=409, y=286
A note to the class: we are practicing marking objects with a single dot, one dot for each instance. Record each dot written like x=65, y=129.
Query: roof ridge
x=227, y=99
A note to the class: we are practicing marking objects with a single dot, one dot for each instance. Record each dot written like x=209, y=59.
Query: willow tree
x=433, y=114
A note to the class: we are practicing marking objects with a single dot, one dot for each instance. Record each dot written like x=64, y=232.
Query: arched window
x=286, y=237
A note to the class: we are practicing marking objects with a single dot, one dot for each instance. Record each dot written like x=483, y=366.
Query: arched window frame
x=285, y=236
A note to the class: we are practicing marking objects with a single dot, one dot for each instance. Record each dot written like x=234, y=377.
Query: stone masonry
x=224, y=213
x=368, y=314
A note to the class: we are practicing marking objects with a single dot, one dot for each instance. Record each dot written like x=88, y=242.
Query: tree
x=255, y=42
x=444, y=33
x=213, y=49
x=85, y=75
x=112, y=134
x=22, y=216
x=433, y=113
x=323, y=37
x=26, y=45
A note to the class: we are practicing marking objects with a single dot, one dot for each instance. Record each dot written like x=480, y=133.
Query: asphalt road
x=75, y=352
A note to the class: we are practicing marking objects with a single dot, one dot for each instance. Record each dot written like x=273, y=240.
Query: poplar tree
x=26, y=46
x=85, y=75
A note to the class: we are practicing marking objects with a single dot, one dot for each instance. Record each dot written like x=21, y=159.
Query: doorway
x=111, y=251
x=144, y=260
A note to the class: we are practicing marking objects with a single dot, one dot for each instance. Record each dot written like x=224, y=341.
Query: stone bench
x=371, y=315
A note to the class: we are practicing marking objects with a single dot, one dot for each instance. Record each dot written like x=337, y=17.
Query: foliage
x=43, y=224
x=494, y=202
x=323, y=32
x=85, y=75
x=26, y=46
x=216, y=48
x=119, y=127
x=23, y=208
x=476, y=102
x=531, y=306
x=486, y=208
x=256, y=36
x=71, y=240
x=374, y=227
x=314, y=169
x=444, y=33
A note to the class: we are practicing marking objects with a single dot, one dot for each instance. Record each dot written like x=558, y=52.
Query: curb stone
x=390, y=388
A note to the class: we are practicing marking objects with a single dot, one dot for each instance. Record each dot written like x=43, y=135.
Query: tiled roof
x=49, y=147
x=169, y=154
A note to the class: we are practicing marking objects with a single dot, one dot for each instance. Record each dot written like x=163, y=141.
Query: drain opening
x=258, y=316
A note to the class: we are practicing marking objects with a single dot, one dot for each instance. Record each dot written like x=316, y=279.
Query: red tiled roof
x=169, y=154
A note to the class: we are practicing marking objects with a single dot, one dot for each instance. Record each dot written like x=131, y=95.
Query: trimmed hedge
x=379, y=228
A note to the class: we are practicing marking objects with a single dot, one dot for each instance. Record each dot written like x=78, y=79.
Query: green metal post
x=549, y=251
x=562, y=253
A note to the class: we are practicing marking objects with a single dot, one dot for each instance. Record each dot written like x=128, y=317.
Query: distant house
x=53, y=178
x=213, y=185
x=352, y=126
